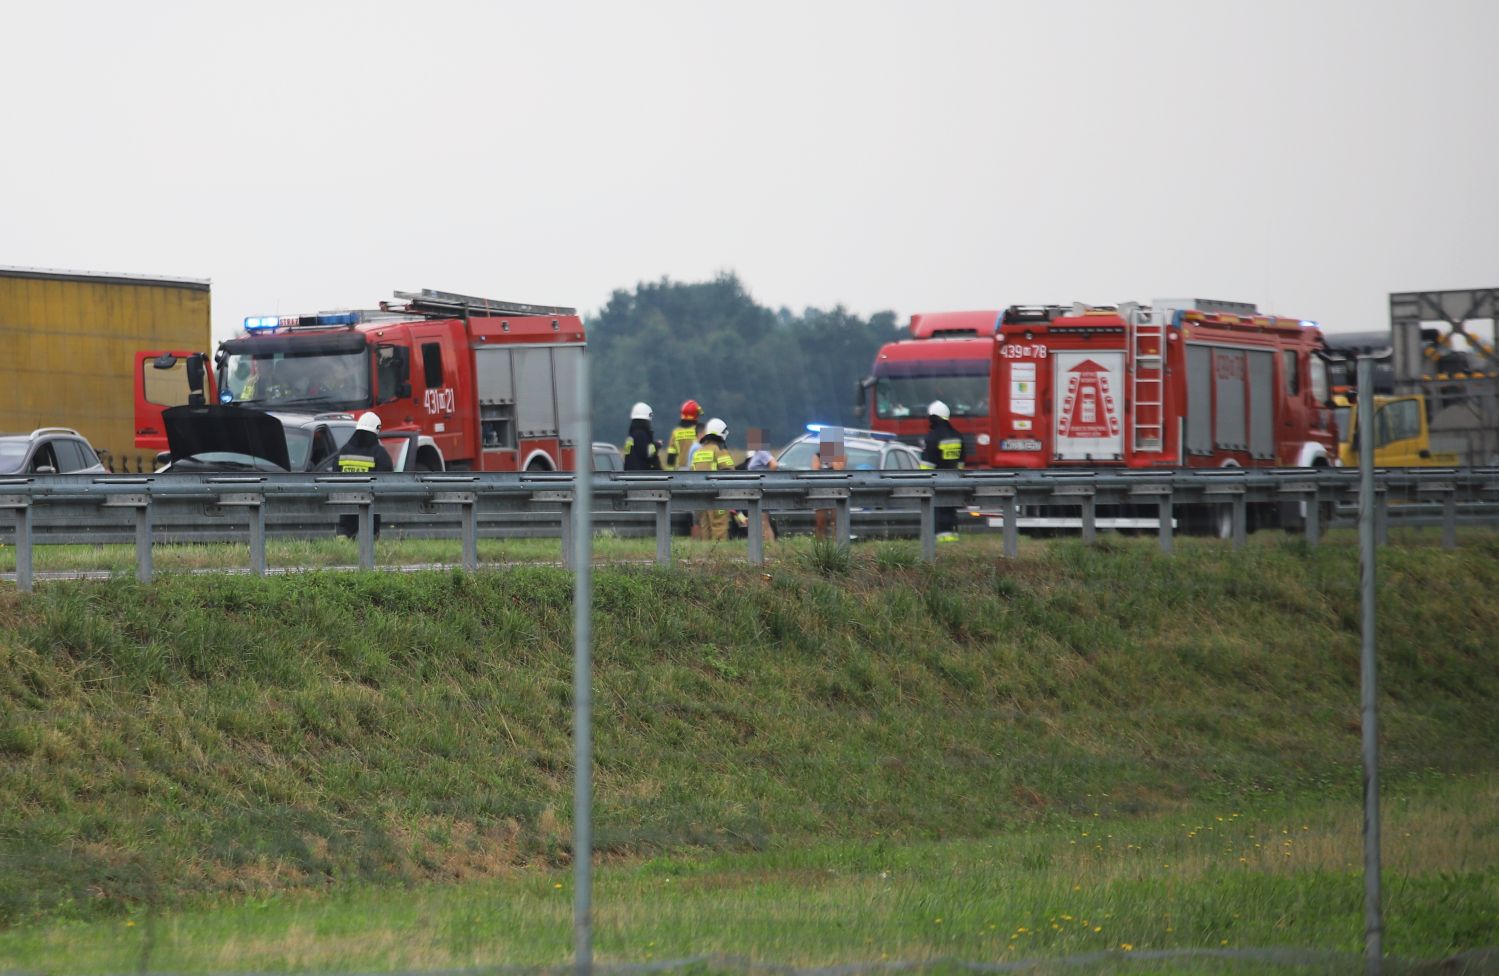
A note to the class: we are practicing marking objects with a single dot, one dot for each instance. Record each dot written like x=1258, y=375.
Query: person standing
x=682, y=437
x=641, y=450
x=713, y=455
x=362, y=453
x=943, y=451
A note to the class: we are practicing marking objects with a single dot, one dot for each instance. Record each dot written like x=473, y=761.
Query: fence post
x=1008, y=509
x=1312, y=522
x=1090, y=520
x=1449, y=519
x=1368, y=502
x=1241, y=521
x=756, y=533
x=254, y=506
x=663, y=532
x=1166, y=527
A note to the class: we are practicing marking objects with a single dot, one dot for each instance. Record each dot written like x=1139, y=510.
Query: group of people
x=698, y=446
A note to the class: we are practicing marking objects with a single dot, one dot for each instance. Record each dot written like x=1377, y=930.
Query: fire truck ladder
x=1147, y=380
x=447, y=303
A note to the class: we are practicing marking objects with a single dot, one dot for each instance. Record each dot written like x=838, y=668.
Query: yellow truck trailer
x=68, y=341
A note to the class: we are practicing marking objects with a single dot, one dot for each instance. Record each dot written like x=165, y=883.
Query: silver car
x=863, y=450
x=48, y=450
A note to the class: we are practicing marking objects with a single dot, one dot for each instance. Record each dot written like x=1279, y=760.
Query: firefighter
x=361, y=454
x=683, y=436
x=942, y=450
x=713, y=455
x=642, y=453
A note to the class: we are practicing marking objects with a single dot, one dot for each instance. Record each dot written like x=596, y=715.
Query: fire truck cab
x=1179, y=383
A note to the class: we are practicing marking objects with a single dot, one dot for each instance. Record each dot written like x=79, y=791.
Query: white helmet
x=939, y=409
x=370, y=421
x=641, y=411
x=716, y=428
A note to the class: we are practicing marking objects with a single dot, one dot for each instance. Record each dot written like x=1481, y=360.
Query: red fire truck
x=491, y=382
x=1180, y=383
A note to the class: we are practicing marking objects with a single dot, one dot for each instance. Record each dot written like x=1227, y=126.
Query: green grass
x=386, y=757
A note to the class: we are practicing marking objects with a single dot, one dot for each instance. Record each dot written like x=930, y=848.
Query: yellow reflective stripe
x=928, y=466
x=358, y=465
x=951, y=449
x=726, y=460
x=629, y=444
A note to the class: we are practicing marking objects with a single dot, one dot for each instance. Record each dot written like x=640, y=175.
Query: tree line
x=667, y=341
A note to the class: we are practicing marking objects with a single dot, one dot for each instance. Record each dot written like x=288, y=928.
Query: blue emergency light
x=262, y=323
x=338, y=318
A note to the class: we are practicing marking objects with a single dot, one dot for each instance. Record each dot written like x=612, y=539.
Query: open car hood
x=205, y=429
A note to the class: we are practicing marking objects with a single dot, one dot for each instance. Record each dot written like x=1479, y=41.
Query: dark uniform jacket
x=641, y=453
x=943, y=447
x=362, y=454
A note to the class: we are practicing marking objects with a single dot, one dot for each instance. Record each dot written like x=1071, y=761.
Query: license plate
x=1020, y=444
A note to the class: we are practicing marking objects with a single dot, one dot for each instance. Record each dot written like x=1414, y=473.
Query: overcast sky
x=1309, y=156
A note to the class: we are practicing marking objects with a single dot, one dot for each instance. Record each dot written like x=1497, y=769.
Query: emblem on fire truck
x=1089, y=409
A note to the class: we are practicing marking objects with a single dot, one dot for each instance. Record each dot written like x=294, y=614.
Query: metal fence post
x=928, y=529
x=1241, y=521
x=1166, y=526
x=841, y=526
x=1381, y=516
x=1090, y=520
x=569, y=534
x=1369, y=500
x=1312, y=522
x=1449, y=519
x=367, y=535
x=582, y=561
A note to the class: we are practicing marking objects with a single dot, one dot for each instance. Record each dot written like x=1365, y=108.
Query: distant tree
x=666, y=341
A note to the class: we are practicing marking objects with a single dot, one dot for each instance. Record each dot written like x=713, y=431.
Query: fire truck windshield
x=321, y=381
x=901, y=397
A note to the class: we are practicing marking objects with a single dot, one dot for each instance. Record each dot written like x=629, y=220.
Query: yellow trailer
x=67, y=350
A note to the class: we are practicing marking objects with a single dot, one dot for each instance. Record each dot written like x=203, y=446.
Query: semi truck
x=68, y=339
x=492, y=383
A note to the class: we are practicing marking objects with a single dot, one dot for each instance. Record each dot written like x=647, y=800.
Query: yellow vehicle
x=1402, y=438
x=70, y=340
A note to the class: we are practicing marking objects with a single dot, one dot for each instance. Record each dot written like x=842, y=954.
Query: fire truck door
x=435, y=388
x=167, y=379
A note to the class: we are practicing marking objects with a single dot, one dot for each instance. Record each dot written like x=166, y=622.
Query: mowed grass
x=258, y=769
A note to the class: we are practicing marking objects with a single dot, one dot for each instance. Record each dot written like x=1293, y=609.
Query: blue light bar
x=338, y=318
x=262, y=323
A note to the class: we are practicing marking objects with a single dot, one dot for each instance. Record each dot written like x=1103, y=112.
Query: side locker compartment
x=565, y=388
x=1263, y=393
x=1199, y=401
x=494, y=382
x=535, y=398
x=1230, y=416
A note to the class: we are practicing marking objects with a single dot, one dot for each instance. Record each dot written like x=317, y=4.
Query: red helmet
x=690, y=410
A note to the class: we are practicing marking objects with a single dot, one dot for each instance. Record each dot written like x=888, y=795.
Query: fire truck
x=491, y=383
x=949, y=357
x=1179, y=383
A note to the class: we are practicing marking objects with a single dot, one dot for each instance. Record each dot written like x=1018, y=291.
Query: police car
x=862, y=450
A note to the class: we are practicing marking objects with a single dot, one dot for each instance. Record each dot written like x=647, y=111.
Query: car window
x=899, y=460
x=12, y=455
x=43, y=458
x=69, y=457
x=863, y=458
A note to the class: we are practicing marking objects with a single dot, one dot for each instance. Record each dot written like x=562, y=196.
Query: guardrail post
x=1312, y=521
x=1008, y=510
x=254, y=505
x=1241, y=521
x=1090, y=520
x=663, y=533
x=1449, y=519
x=1167, y=526
x=567, y=533
x=365, y=501
x=142, y=506
x=841, y=527
x=756, y=534
x=21, y=505
x=1381, y=517
x=928, y=529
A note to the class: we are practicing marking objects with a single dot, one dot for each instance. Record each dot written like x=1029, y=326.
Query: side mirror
x=195, y=375
x=44, y=469
x=165, y=361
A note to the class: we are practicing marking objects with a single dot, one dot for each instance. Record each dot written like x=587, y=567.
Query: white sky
x=1308, y=155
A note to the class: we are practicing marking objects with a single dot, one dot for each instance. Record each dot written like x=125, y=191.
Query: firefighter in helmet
x=713, y=455
x=683, y=436
x=942, y=450
x=642, y=453
x=362, y=453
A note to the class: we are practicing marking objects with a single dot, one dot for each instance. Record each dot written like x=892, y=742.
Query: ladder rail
x=1147, y=391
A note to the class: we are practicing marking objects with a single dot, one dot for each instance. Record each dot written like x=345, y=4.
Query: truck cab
x=1402, y=436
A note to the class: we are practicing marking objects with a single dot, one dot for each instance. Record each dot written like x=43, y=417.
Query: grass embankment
x=961, y=729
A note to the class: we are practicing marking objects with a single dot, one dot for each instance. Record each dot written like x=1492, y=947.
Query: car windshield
x=798, y=457
x=12, y=454
x=897, y=397
x=320, y=381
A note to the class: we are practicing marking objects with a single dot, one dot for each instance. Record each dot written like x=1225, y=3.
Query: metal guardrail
x=151, y=509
